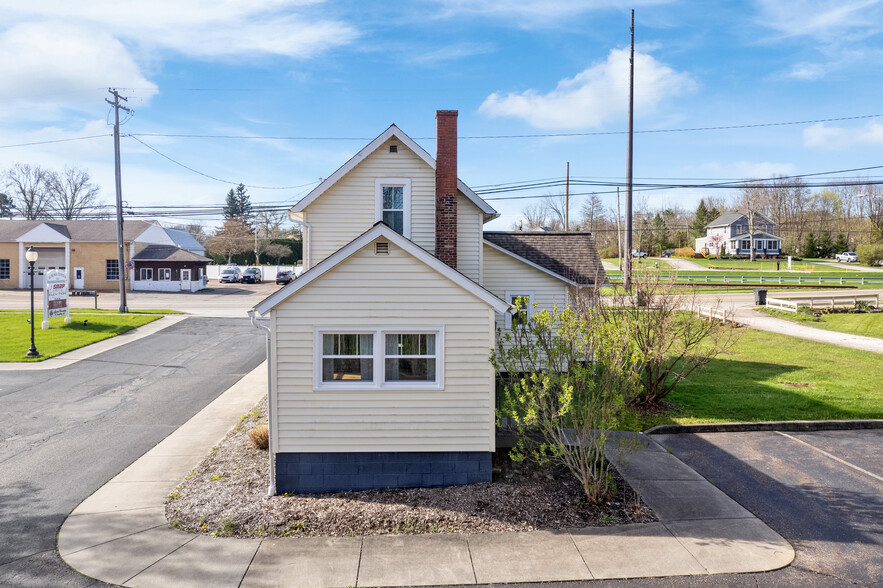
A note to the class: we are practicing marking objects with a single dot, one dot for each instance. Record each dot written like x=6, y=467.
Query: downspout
x=270, y=449
x=307, y=232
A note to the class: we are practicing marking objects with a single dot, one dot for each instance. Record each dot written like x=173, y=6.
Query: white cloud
x=450, y=53
x=825, y=137
x=51, y=65
x=594, y=96
x=743, y=170
x=200, y=28
x=823, y=19
x=808, y=71
x=532, y=13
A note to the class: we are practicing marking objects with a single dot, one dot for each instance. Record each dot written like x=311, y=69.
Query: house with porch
x=379, y=352
x=730, y=234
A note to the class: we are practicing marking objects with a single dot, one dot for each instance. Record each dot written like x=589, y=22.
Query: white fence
x=268, y=272
x=792, y=303
x=715, y=312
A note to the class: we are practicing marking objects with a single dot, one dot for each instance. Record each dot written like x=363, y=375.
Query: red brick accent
x=446, y=186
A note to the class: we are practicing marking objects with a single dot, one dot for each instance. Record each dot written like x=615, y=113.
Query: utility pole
x=567, y=198
x=121, y=252
x=751, y=230
x=627, y=279
x=619, y=230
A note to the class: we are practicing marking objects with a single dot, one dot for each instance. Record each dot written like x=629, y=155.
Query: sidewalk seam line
x=359, y=565
x=583, y=559
x=160, y=559
x=251, y=561
x=471, y=561
x=110, y=540
x=687, y=549
x=832, y=456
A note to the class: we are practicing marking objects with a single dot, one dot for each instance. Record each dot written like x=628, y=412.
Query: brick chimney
x=446, y=186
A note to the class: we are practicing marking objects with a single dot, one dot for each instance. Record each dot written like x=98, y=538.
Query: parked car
x=252, y=275
x=847, y=257
x=637, y=253
x=230, y=274
x=284, y=277
x=667, y=253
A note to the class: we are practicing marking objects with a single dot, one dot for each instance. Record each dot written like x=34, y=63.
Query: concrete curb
x=72, y=357
x=120, y=534
x=795, y=426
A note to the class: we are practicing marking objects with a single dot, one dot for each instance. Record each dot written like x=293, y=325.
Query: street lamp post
x=31, y=256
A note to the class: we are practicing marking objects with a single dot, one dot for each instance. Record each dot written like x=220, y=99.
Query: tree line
x=34, y=192
x=810, y=223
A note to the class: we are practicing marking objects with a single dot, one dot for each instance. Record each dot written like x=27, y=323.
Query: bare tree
x=29, y=188
x=591, y=211
x=277, y=251
x=548, y=214
x=72, y=194
x=233, y=238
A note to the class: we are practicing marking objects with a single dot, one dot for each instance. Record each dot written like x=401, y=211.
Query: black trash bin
x=759, y=296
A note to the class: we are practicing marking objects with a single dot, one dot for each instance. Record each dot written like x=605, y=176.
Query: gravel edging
x=226, y=495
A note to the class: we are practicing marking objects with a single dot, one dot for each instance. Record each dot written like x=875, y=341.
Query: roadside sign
x=55, y=297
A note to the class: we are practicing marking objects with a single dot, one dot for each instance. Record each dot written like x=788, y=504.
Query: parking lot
x=218, y=300
x=822, y=491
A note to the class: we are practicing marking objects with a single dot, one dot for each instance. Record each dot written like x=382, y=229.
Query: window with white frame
x=4, y=269
x=409, y=357
x=348, y=356
x=745, y=244
x=523, y=301
x=112, y=269
x=165, y=274
x=382, y=358
x=393, y=204
x=772, y=245
x=758, y=244
x=146, y=273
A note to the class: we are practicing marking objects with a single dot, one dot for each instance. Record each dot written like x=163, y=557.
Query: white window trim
x=405, y=183
x=510, y=294
x=379, y=382
x=146, y=271
x=163, y=272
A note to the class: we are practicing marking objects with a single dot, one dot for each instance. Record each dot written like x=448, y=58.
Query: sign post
x=55, y=297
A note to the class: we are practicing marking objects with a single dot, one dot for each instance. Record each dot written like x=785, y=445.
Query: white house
x=379, y=350
x=730, y=233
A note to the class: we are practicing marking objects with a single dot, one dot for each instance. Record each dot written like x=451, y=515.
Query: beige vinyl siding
x=469, y=222
x=502, y=272
x=347, y=209
x=394, y=291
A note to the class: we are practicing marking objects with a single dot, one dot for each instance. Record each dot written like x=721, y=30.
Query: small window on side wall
x=410, y=357
x=348, y=357
x=393, y=204
x=523, y=303
x=146, y=273
x=112, y=269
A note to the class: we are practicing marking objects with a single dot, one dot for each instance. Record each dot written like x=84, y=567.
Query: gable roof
x=392, y=131
x=728, y=218
x=571, y=257
x=381, y=230
x=75, y=230
x=167, y=253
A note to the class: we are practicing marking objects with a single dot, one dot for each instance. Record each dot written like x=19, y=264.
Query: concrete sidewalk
x=120, y=534
x=764, y=322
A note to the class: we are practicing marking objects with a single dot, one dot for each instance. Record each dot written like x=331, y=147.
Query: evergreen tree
x=238, y=205
x=826, y=246
x=841, y=245
x=6, y=205
x=810, y=247
x=231, y=207
x=701, y=219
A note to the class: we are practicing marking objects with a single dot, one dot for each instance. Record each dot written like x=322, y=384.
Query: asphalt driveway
x=823, y=491
x=67, y=431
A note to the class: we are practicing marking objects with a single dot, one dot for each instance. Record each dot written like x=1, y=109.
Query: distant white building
x=729, y=234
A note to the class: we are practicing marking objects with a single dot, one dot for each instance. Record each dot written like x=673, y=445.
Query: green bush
x=609, y=252
x=871, y=254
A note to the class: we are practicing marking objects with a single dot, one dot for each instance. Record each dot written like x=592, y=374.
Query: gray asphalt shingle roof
x=573, y=256
x=75, y=230
x=167, y=253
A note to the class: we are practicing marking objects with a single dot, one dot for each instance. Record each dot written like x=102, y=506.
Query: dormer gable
x=46, y=233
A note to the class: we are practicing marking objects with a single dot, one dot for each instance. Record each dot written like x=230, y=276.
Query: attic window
x=381, y=248
x=393, y=148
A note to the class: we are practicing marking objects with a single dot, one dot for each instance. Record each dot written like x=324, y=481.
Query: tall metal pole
x=627, y=281
x=619, y=230
x=32, y=352
x=121, y=253
x=567, y=198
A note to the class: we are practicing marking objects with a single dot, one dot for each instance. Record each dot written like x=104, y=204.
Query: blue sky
x=308, y=68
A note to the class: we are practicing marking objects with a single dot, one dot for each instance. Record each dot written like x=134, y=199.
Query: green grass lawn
x=645, y=262
x=770, y=266
x=62, y=337
x=772, y=377
x=162, y=311
x=867, y=324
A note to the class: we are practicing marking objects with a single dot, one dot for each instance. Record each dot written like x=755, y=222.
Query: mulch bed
x=226, y=495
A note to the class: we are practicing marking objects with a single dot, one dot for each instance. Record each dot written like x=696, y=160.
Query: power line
x=55, y=141
x=196, y=171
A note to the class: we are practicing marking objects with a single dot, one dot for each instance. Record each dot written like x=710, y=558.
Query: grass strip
x=865, y=324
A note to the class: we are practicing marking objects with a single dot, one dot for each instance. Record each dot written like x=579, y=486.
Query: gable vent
x=393, y=148
x=381, y=248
